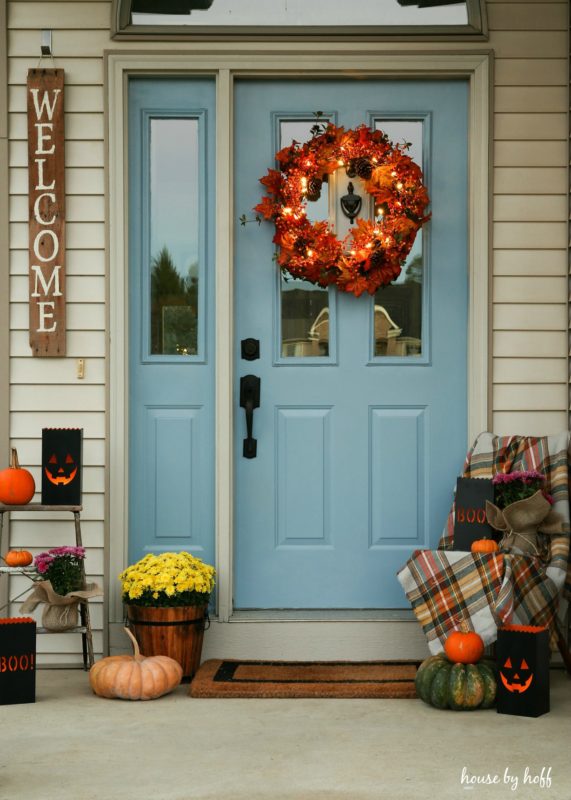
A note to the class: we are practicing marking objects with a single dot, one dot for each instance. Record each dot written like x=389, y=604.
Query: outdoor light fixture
x=46, y=43
x=169, y=6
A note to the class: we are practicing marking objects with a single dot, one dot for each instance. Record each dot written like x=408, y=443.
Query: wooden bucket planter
x=175, y=632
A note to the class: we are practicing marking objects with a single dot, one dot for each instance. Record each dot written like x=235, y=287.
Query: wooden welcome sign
x=46, y=167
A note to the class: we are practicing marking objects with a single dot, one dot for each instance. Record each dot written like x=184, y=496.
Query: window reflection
x=296, y=13
x=398, y=314
x=398, y=307
x=174, y=236
x=304, y=306
x=305, y=319
x=174, y=302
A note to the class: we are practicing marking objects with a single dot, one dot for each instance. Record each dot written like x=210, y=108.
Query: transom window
x=263, y=17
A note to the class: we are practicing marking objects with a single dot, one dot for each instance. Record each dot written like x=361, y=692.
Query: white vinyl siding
x=530, y=185
x=529, y=210
x=47, y=392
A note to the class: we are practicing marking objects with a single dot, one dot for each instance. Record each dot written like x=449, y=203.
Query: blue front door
x=171, y=315
x=362, y=420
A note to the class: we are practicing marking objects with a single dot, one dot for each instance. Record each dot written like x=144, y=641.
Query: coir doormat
x=369, y=679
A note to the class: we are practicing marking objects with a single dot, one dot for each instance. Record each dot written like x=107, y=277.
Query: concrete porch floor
x=72, y=745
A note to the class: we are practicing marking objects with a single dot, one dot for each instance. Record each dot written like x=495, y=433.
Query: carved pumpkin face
x=61, y=469
x=518, y=677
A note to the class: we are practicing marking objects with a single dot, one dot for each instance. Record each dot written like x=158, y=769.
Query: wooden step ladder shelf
x=85, y=628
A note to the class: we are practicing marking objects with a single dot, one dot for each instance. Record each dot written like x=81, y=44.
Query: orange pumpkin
x=484, y=546
x=18, y=558
x=464, y=646
x=135, y=677
x=17, y=485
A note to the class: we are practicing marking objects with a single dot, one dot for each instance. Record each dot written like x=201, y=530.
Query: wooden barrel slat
x=180, y=638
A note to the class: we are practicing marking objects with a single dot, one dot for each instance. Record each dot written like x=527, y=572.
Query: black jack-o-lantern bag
x=61, y=466
x=523, y=670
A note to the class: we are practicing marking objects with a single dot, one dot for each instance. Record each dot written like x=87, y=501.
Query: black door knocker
x=351, y=203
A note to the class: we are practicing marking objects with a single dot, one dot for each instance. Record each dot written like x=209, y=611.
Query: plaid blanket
x=445, y=586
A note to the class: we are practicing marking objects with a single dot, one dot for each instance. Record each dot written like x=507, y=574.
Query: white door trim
x=296, y=59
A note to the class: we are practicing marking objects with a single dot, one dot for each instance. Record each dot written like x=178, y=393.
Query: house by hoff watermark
x=540, y=779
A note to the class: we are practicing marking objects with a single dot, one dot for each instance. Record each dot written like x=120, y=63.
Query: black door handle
x=249, y=400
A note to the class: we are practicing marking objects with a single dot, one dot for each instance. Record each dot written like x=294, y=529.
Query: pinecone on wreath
x=314, y=189
x=377, y=259
x=363, y=168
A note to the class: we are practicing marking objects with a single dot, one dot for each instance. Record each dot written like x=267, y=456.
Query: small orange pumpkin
x=17, y=485
x=135, y=677
x=484, y=546
x=18, y=558
x=464, y=646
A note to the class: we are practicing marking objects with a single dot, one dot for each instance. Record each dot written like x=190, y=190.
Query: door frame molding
x=226, y=61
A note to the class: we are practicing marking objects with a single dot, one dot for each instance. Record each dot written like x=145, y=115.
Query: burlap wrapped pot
x=520, y=522
x=61, y=611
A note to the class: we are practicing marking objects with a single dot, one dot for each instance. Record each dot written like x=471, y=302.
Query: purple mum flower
x=61, y=566
x=518, y=485
x=524, y=476
x=74, y=552
x=43, y=561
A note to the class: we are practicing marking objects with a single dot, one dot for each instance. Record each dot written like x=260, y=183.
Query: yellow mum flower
x=167, y=575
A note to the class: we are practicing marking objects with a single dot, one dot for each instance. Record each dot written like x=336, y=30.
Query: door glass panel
x=398, y=308
x=304, y=306
x=305, y=318
x=174, y=236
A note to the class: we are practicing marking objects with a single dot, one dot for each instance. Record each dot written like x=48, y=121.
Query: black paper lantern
x=523, y=670
x=61, y=466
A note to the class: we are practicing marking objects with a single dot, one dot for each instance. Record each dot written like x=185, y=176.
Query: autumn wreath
x=373, y=252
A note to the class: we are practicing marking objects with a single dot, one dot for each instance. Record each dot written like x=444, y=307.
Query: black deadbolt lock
x=250, y=349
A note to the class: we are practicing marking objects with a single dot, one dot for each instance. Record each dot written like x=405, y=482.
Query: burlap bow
x=61, y=611
x=521, y=521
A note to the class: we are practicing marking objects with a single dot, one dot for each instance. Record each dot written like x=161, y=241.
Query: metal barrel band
x=168, y=623
x=205, y=620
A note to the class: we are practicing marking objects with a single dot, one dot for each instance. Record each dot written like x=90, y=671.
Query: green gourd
x=462, y=687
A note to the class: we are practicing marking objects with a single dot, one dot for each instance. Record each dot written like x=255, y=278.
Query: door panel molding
x=297, y=426
x=247, y=59
x=404, y=430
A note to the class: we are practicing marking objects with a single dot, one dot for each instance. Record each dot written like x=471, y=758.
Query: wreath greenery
x=373, y=252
